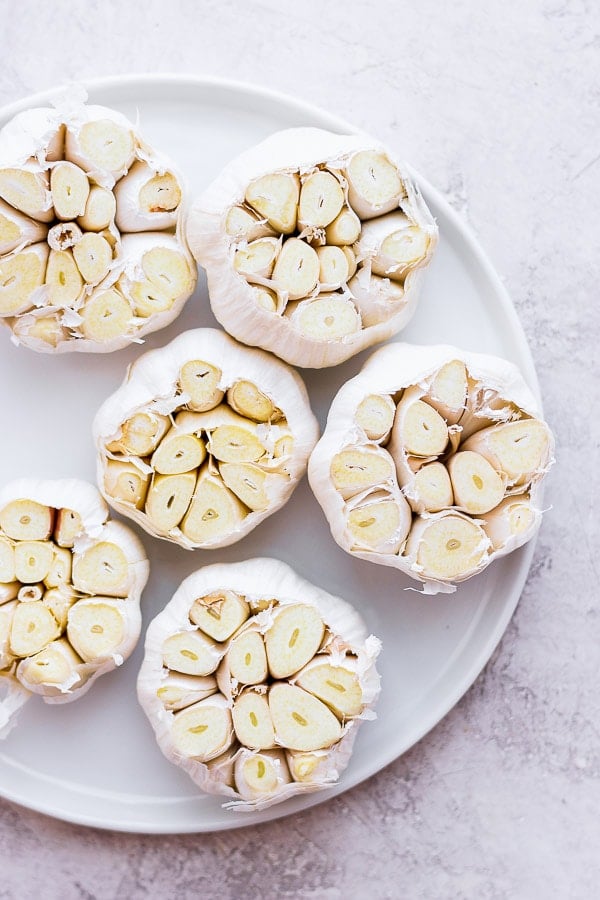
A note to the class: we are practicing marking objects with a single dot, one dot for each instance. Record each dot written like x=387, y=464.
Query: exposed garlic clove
x=96, y=628
x=141, y=434
x=157, y=274
x=102, y=144
x=327, y=318
x=215, y=512
x=26, y=520
x=252, y=721
x=60, y=568
x=177, y=453
x=260, y=774
x=375, y=415
x=512, y=519
x=376, y=298
x=33, y=560
x=46, y=329
x=236, y=443
x=106, y=316
x=447, y=546
x=192, y=653
x=56, y=668
x=33, y=628
x=168, y=499
x=93, y=256
x=102, y=569
x=247, y=658
x=244, y=224
x=7, y=613
x=7, y=561
x=59, y=601
x=202, y=731
x=519, y=450
x=200, y=381
x=63, y=279
x=147, y=199
x=64, y=235
x=26, y=189
x=305, y=768
x=21, y=276
x=334, y=268
x=429, y=489
x=30, y=593
x=476, y=485
x=296, y=270
x=301, y=721
x=293, y=639
x=380, y=523
x=17, y=229
x=219, y=614
x=338, y=686
x=276, y=198
x=100, y=209
x=355, y=470
x=124, y=481
x=321, y=200
x=344, y=229
x=374, y=184
x=254, y=487
x=180, y=691
x=448, y=391
x=70, y=189
x=393, y=244
x=418, y=429
x=9, y=591
x=68, y=527
x=248, y=400
x=256, y=261
x=265, y=298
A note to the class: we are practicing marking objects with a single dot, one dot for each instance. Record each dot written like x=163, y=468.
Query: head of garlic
x=93, y=253
x=70, y=587
x=432, y=462
x=315, y=245
x=255, y=682
x=204, y=439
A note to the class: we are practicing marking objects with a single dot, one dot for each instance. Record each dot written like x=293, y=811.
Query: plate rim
x=522, y=348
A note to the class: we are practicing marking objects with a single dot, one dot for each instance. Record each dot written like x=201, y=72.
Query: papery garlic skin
x=59, y=168
x=270, y=589
x=261, y=457
x=318, y=165
x=68, y=520
x=494, y=393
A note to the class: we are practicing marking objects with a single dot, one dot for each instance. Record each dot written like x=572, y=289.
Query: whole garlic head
x=315, y=245
x=70, y=587
x=93, y=253
x=432, y=462
x=255, y=682
x=204, y=439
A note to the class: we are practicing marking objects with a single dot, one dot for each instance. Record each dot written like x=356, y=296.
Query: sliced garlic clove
x=345, y=229
x=178, y=453
x=30, y=593
x=7, y=613
x=68, y=527
x=191, y=653
x=418, y=429
x=256, y=261
x=265, y=298
x=200, y=381
x=158, y=274
x=33, y=560
x=260, y=774
x=429, y=489
x=63, y=279
x=219, y=614
x=141, y=434
x=60, y=568
x=375, y=416
x=124, y=481
x=204, y=730
x=276, y=198
x=100, y=209
x=355, y=470
x=93, y=256
x=248, y=400
x=377, y=298
x=106, y=316
x=296, y=270
x=180, y=691
x=374, y=184
x=236, y=443
x=448, y=391
x=447, y=546
x=329, y=317
x=147, y=199
x=26, y=520
x=301, y=721
x=33, y=628
x=321, y=200
x=102, y=569
x=215, y=512
x=519, y=450
x=334, y=268
x=293, y=639
x=97, y=628
x=393, y=244
x=476, y=485
x=380, y=523
x=17, y=229
x=55, y=669
x=252, y=721
x=307, y=768
x=9, y=591
x=70, y=189
x=512, y=522
x=27, y=190
x=168, y=499
x=46, y=329
x=247, y=658
x=254, y=487
x=21, y=277
x=7, y=561
x=338, y=686
x=103, y=144
x=244, y=224
x=59, y=601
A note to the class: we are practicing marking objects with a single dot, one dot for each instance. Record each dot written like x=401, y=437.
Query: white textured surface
x=497, y=104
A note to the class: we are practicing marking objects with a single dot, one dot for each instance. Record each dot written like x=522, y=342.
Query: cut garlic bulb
x=70, y=586
x=314, y=191
x=458, y=483
x=204, y=439
x=295, y=678
x=93, y=253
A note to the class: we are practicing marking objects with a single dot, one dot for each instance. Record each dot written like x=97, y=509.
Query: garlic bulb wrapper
x=294, y=675
x=93, y=252
x=432, y=462
x=204, y=439
x=315, y=245
x=70, y=587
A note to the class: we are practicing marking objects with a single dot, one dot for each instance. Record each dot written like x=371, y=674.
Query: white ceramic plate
x=95, y=761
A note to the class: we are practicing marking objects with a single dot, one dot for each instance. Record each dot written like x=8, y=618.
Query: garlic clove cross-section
x=204, y=439
x=432, y=462
x=93, y=253
x=315, y=245
x=70, y=587
x=290, y=682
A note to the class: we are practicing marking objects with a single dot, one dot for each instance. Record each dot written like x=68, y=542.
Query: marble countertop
x=498, y=105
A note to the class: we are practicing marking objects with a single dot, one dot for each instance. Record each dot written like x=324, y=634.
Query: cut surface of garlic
x=93, y=253
x=315, y=245
x=291, y=678
x=70, y=587
x=432, y=462
x=204, y=439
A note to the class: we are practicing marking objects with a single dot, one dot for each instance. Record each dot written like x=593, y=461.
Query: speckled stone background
x=498, y=104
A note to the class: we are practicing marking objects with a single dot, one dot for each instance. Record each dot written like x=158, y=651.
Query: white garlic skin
x=232, y=298
x=261, y=577
x=389, y=370
x=84, y=499
x=155, y=375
